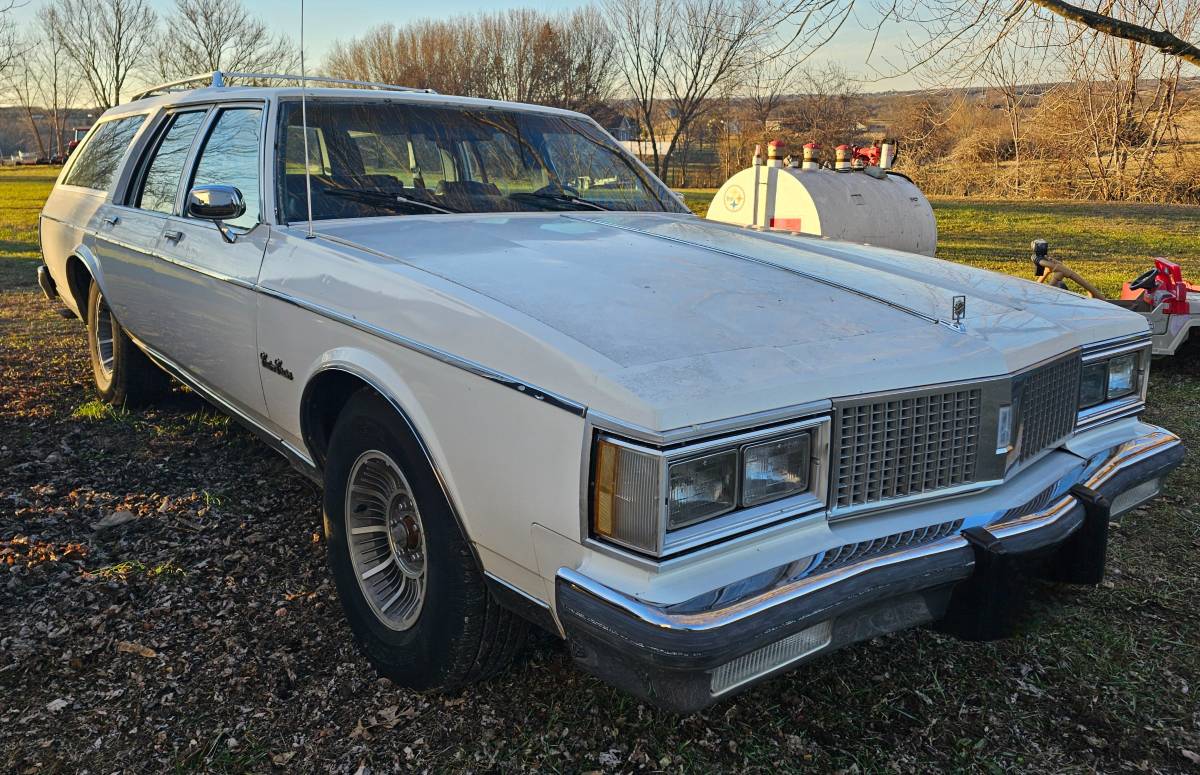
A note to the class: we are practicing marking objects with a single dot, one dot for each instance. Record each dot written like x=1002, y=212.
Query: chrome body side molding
x=478, y=369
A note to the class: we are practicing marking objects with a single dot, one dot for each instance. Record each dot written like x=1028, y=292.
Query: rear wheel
x=405, y=574
x=123, y=373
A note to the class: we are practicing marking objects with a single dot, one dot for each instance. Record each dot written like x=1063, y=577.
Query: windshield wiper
x=386, y=199
x=566, y=199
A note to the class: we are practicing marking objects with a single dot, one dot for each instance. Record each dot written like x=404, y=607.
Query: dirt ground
x=165, y=606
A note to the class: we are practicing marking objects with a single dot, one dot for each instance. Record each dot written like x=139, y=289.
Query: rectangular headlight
x=776, y=469
x=1093, y=384
x=1111, y=379
x=1122, y=376
x=701, y=488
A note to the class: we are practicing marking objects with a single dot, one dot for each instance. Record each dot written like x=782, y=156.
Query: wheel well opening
x=323, y=400
x=79, y=280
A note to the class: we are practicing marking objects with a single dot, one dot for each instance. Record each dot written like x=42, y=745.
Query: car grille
x=927, y=440
x=905, y=445
x=1046, y=400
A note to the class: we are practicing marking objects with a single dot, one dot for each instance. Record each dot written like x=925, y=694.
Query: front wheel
x=123, y=373
x=405, y=574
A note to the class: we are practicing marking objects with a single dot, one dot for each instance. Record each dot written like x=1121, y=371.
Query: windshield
x=372, y=158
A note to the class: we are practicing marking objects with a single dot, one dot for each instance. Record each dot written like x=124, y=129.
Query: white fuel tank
x=868, y=206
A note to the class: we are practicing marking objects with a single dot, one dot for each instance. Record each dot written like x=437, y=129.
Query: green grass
x=697, y=199
x=22, y=192
x=1107, y=243
x=98, y=411
x=122, y=571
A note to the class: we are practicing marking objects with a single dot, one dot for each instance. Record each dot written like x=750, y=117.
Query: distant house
x=615, y=122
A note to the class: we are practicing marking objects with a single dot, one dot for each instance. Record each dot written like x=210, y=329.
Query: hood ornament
x=958, y=311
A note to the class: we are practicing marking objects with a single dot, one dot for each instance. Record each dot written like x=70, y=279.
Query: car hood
x=671, y=320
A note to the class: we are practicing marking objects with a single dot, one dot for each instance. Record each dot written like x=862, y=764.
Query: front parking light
x=626, y=496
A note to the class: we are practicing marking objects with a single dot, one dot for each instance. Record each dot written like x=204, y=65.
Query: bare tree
x=1126, y=106
x=109, y=41
x=677, y=56
x=968, y=31
x=205, y=35
x=769, y=82
x=55, y=79
x=686, y=51
x=9, y=49
x=526, y=55
x=642, y=30
x=1009, y=70
x=22, y=84
x=828, y=106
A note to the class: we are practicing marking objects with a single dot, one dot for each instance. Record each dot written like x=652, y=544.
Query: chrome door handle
x=112, y=220
x=173, y=236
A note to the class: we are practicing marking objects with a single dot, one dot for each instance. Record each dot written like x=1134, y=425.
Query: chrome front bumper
x=688, y=655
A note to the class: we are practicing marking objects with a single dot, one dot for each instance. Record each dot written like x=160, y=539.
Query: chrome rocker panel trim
x=666, y=654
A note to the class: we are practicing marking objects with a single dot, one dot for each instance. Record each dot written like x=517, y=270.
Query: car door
x=130, y=232
x=210, y=295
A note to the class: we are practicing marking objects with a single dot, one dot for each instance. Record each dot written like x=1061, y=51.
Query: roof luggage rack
x=217, y=79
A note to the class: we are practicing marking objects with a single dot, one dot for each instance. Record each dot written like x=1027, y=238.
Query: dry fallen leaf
x=1191, y=756
x=129, y=647
x=280, y=759
x=54, y=706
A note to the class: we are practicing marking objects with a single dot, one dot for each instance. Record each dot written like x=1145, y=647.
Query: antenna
x=304, y=125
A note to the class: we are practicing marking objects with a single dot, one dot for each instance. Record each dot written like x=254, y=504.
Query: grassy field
x=202, y=634
x=22, y=191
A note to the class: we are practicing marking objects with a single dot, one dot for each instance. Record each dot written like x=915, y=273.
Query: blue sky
x=330, y=20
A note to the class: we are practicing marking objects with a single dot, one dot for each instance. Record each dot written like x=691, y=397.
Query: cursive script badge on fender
x=275, y=365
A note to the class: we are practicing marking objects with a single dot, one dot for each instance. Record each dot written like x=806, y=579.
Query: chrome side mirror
x=216, y=204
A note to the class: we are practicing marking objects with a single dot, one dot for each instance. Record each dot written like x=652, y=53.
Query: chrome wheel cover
x=104, y=336
x=386, y=539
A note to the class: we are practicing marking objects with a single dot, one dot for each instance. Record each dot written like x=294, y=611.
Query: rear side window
x=97, y=160
x=166, y=168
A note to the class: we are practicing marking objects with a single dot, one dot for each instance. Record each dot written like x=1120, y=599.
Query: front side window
x=96, y=161
x=374, y=158
x=230, y=158
x=161, y=182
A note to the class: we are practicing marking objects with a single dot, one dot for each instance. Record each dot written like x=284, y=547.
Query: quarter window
x=230, y=158
x=97, y=160
x=161, y=183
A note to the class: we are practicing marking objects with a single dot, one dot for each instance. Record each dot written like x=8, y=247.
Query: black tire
x=460, y=634
x=123, y=373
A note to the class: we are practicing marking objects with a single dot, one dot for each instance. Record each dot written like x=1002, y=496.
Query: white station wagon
x=537, y=390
